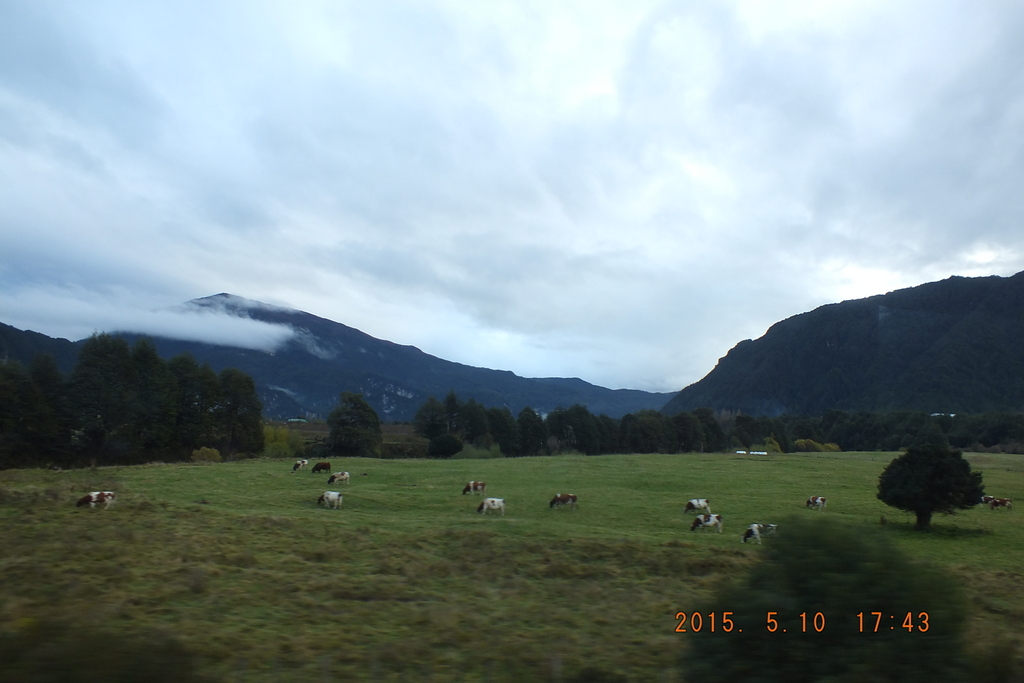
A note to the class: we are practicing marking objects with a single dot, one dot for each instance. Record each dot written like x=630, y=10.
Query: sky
x=614, y=191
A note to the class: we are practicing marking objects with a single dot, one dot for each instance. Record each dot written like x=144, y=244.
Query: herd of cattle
x=705, y=520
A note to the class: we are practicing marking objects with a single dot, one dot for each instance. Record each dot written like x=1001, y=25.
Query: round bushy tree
x=930, y=479
x=819, y=566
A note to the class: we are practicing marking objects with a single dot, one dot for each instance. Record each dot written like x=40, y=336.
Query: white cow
x=299, y=464
x=702, y=521
x=698, y=504
x=343, y=477
x=331, y=499
x=492, y=504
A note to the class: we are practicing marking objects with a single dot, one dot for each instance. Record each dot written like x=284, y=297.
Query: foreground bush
x=79, y=653
x=820, y=567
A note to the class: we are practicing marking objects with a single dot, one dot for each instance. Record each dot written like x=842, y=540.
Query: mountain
x=323, y=358
x=954, y=346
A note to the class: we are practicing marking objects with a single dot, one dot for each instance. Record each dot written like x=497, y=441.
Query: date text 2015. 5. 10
x=805, y=622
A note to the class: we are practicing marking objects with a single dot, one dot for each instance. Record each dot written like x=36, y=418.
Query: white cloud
x=615, y=191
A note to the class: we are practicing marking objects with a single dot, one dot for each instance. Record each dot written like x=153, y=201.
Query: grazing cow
x=95, y=498
x=339, y=476
x=475, y=487
x=698, y=504
x=1001, y=503
x=985, y=500
x=701, y=521
x=331, y=499
x=753, y=532
x=569, y=499
x=756, y=531
x=299, y=464
x=492, y=504
x=322, y=467
x=816, y=502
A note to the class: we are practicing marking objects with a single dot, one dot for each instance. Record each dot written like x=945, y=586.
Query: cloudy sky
x=610, y=190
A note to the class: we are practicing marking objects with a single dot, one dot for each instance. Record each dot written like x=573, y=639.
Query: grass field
x=407, y=582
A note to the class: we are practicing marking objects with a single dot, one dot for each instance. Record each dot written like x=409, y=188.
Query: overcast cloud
x=615, y=191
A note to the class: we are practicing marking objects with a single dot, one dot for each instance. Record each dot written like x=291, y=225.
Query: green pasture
x=408, y=582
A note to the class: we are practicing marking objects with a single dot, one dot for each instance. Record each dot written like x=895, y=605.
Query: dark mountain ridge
x=323, y=358
x=954, y=346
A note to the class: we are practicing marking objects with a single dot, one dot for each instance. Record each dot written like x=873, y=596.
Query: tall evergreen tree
x=240, y=413
x=533, y=434
x=197, y=395
x=504, y=430
x=355, y=428
x=99, y=398
x=431, y=419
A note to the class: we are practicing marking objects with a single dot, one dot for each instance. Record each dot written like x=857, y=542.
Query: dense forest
x=123, y=404
x=704, y=430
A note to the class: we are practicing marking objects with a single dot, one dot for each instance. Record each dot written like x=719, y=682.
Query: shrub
x=812, y=446
x=477, y=453
x=444, y=446
x=399, y=450
x=281, y=442
x=815, y=566
x=73, y=653
x=205, y=454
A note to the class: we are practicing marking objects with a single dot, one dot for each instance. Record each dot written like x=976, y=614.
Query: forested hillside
x=955, y=346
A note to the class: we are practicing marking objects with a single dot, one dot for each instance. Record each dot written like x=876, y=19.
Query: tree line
x=124, y=404
x=450, y=423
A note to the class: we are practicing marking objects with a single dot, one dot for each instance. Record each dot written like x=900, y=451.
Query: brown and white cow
x=816, y=502
x=569, y=499
x=492, y=504
x=985, y=500
x=1000, y=503
x=339, y=476
x=701, y=521
x=695, y=504
x=331, y=499
x=299, y=464
x=322, y=467
x=95, y=498
x=475, y=487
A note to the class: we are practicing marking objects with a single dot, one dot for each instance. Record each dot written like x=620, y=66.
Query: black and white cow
x=342, y=477
x=695, y=504
x=331, y=499
x=95, y=498
x=299, y=464
x=707, y=521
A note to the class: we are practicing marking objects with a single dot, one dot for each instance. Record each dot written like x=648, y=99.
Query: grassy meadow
x=408, y=583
